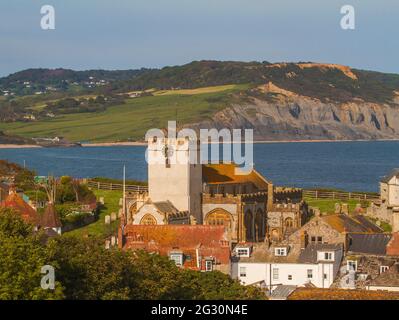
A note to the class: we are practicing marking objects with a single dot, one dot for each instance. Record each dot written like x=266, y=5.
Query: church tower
x=175, y=173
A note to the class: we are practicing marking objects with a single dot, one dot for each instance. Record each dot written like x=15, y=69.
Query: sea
x=350, y=166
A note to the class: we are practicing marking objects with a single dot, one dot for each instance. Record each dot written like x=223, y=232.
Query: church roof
x=345, y=223
x=50, y=218
x=15, y=202
x=225, y=173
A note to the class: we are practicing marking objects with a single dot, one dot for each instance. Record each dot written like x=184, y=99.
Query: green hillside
x=128, y=121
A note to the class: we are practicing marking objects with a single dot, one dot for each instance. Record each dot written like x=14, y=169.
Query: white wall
x=181, y=183
x=261, y=272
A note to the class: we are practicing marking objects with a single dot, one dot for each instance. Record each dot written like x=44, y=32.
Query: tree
x=22, y=256
x=89, y=271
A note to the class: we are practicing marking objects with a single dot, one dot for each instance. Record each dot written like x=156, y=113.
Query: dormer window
x=325, y=256
x=243, y=252
x=351, y=265
x=177, y=257
x=383, y=269
x=280, y=252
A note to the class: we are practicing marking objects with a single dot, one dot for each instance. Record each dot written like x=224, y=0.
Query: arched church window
x=148, y=219
x=219, y=218
x=289, y=223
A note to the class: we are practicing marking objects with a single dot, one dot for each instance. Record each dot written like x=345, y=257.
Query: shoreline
x=143, y=143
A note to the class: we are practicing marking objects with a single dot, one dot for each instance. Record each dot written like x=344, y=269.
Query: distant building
x=387, y=208
x=308, y=265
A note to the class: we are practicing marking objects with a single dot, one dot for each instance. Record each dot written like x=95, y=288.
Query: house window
x=325, y=276
x=351, y=265
x=313, y=239
x=243, y=271
x=310, y=274
x=289, y=277
x=328, y=256
x=208, y=265
x=320, y=239
x=275, y=274
x=243, y=252
x=177, y=258
x=383, y=269
x=280, y=252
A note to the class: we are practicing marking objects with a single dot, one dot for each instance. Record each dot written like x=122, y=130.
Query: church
x=249, y=206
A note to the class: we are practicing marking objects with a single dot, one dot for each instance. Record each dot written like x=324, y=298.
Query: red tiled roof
x=210, y=241
x=15, y=202
x=393, y=245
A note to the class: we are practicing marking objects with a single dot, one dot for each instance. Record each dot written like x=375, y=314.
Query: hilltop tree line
x=84, y=269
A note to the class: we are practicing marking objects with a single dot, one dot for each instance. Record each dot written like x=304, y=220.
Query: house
x=365, y=260
x=387, y=280
x=50, y=221
x=387, y=207
x=310, y=264
x=14, y=201
x=332, y=229
x=196, y=247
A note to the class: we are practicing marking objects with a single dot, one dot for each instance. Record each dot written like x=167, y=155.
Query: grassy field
x=131, y=120
x=98, y=228
x=328, y=205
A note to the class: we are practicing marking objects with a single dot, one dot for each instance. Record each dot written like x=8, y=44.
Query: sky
x=130, y=34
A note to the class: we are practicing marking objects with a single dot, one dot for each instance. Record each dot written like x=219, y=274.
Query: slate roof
x=346, y=223
x=282, y=292
x=166, y=207
x=309, y=254
x=389, y=278
x=369, y=243
x=393, y=173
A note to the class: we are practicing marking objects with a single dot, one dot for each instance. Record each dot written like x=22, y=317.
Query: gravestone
x=113, y=216
x=120, y=201
x=107, y=244
x=345, y=208
x=120, y=213
x=102, y=200
x=113, y=241
x=337, y=208
x=107, y=219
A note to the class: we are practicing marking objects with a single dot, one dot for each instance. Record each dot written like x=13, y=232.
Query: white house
x=317, y=264
x=389, y=189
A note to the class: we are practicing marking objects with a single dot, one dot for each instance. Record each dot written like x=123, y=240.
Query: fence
x=339, y=195
x=115, y=186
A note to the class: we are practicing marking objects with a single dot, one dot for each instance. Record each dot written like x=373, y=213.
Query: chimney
x=304, y=239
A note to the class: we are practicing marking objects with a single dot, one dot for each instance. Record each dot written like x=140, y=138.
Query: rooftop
x=345, y=223
x=367, y=243
x=341, y=294
x=226, y=174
